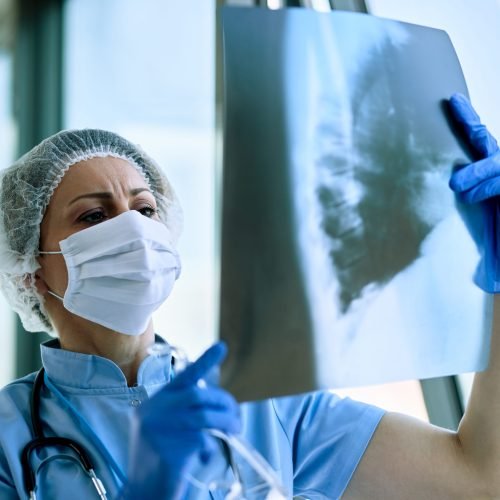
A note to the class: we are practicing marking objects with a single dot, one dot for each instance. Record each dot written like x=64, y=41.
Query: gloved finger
x=187, y=399
x=475, y=173
x=175, y=415
x=477, y=134
x=483, y=191
x=202, y=366
x=222, y=420
x=212, y=397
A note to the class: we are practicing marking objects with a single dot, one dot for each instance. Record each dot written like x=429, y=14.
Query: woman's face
x=91, y=192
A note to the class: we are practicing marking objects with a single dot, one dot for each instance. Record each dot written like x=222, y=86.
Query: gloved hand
x=168, y=432
x=478, y=186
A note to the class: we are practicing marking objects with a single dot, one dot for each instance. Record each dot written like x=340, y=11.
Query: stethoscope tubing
x=42, y=441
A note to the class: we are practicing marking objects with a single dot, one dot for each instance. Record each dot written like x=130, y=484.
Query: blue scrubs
x=313, y=441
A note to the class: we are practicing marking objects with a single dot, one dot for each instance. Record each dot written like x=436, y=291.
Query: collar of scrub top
x=89, y=371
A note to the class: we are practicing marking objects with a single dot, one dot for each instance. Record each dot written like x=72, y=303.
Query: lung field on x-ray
x=372, y=180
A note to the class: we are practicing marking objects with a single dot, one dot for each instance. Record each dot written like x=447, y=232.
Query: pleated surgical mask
x=119, y=271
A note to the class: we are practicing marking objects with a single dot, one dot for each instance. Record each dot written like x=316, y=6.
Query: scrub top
x=314, y=442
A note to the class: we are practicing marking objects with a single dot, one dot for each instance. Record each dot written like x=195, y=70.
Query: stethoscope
x=41, y=441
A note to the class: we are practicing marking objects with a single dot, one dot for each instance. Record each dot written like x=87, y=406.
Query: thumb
x=475, y=132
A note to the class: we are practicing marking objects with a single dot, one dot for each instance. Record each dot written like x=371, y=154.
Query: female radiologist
x=87, y=252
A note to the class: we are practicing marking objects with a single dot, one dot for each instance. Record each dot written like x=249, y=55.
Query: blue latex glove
x=168, y=432
x=478, y=186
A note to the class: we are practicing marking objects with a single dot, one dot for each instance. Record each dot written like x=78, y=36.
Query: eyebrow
x=107, y=195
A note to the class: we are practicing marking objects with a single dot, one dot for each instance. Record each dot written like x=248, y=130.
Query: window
x=146, y=70
x=7, y=154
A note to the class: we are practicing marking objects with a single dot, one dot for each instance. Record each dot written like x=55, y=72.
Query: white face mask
x=119, y=271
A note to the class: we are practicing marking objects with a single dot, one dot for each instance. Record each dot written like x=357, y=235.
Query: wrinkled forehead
x=96, y=175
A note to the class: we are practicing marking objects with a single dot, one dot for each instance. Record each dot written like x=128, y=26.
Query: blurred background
x=151, y=71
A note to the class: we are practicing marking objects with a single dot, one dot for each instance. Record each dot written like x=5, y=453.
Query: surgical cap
x=25, y=192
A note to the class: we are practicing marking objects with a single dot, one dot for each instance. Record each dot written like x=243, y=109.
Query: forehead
x=98, y=174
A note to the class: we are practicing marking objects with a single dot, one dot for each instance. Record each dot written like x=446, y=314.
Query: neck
x=126, y=351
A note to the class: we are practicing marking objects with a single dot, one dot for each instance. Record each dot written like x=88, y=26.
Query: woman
x=87, y=252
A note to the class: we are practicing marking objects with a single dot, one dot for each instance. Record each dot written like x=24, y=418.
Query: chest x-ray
x=344, y=259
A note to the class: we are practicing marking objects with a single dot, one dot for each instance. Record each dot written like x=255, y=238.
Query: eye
x=92, y=217
x=147, y=211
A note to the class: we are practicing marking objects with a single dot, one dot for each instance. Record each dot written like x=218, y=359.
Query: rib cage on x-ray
x=336, y=165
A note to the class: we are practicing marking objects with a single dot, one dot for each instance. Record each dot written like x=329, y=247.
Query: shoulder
x=19, y=386
x=323, y=407
x=320, y=410
x=15, y=432
x=15, y=398
x=328, y=436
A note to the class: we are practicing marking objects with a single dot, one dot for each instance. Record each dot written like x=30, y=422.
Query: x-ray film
x=344, y=258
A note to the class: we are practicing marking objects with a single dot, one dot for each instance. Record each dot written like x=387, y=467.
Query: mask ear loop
x=40, y=252
x=55, y=295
